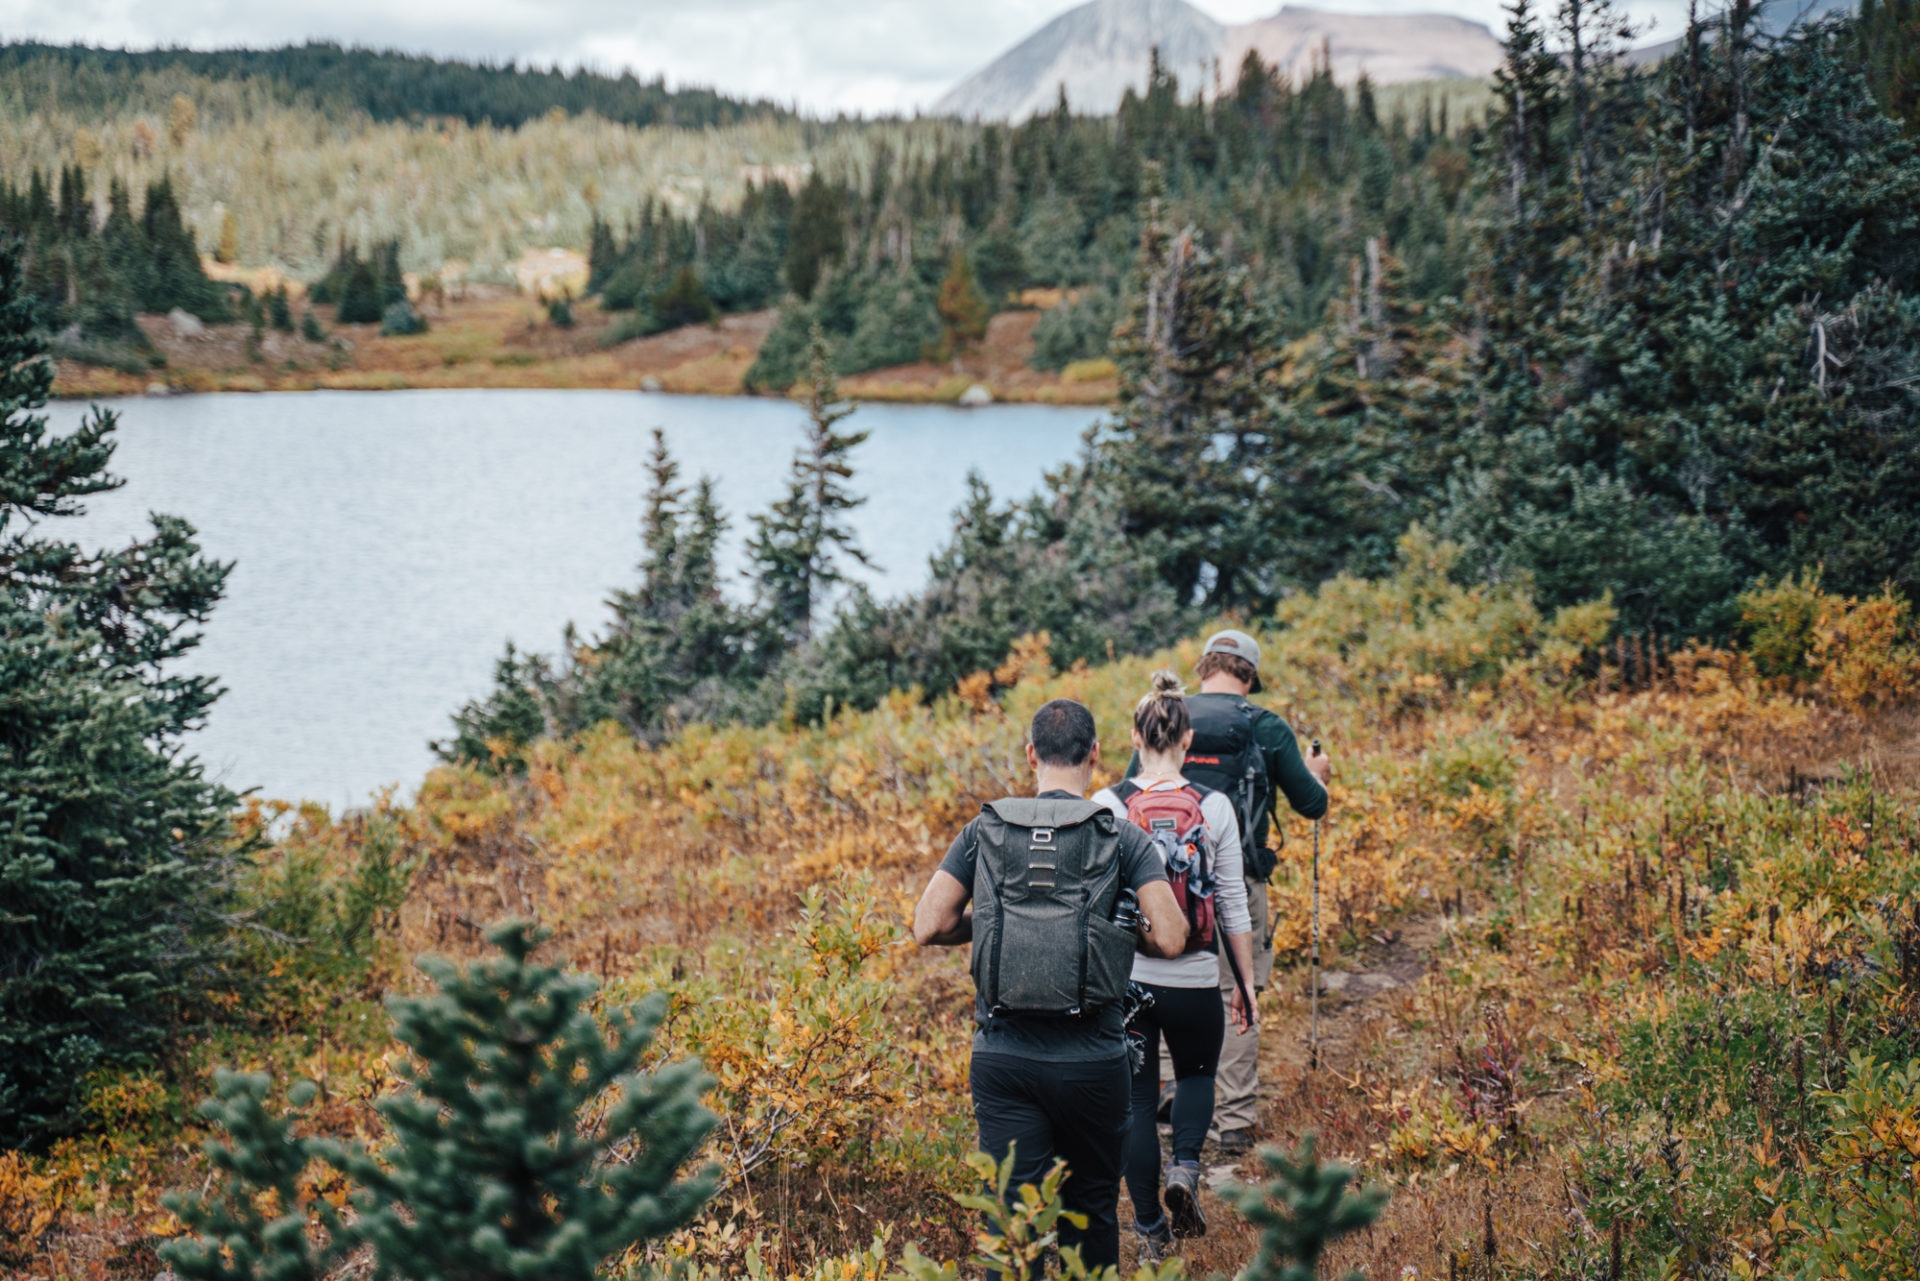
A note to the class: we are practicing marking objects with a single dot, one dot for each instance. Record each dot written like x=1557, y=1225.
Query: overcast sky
x=867, y=56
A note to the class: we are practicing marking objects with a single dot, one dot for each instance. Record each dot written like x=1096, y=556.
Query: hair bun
x=1167, y=684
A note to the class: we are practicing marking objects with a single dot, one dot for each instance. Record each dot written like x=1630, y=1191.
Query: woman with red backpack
x=1197, y=835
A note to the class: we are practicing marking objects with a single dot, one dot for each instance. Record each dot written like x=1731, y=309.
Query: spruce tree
x=1194, y=355
x=684, y=302
x=493, y=731
x=1362, y=428
x=1888, y=41
x=815, y=239
x=676, y=642
x=798, y=546
x=676, y=650
x=360, y=296
x=1053, y=562
x=177, y=278
x=492, y=1169
x=963, y=312
x=111, y=868
x=1722, y=378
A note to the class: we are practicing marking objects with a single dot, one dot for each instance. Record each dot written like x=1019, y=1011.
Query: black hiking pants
x=1194, y=1023
x=1073, y=1111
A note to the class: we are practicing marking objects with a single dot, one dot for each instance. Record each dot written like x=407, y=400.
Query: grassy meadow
x=1621, y=947
x=491, y=336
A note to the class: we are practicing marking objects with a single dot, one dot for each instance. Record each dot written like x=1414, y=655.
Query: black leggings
x=1194, y=1021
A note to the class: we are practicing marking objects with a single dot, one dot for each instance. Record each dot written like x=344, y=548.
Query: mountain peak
x=1100, y=49
x=1095, y=51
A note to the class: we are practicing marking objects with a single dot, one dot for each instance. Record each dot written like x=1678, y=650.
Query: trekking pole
x=1313, y=1034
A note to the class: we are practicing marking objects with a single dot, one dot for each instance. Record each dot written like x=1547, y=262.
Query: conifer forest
x=1557, y=436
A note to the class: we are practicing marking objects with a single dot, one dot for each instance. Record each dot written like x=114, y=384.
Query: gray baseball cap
x=1240, y=645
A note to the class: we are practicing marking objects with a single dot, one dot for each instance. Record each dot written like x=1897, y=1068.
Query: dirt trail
x=1350, y=992
x=1357, y=989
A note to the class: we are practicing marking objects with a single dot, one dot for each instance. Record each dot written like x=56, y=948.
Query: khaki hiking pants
x=1236, y=1084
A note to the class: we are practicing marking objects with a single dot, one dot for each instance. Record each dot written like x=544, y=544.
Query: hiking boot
x=1183, y=1199
x=1234, y=1144
x=1156, y=1240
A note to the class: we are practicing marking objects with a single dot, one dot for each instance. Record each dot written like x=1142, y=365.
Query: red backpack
x=1172, y=817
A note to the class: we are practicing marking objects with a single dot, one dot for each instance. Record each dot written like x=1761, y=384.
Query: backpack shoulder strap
x=1125, y=790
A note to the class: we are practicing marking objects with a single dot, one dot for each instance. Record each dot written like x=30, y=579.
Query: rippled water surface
x=388, y=544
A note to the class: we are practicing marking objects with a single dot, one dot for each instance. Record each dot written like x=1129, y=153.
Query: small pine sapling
x=243, y=1235
x=500, y=1162
x=489, y=1173
x=1305, y=1207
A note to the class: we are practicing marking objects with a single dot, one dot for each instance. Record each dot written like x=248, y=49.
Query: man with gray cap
x=1250, y=754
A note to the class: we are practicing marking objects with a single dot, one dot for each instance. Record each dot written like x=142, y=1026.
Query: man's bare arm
x=1168, y=936
x=941, y=918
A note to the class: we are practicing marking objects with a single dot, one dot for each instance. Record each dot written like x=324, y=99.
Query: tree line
x=1294, y=177
x=94, y=274
x=383, y=84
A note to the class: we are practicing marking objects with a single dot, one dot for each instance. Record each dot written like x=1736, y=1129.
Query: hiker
x=1197, y=835
x=1250, y=754
x=1049, y=1071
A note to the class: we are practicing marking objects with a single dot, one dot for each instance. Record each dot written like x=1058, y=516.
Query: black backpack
x=1225, y=758
x=1046, y=877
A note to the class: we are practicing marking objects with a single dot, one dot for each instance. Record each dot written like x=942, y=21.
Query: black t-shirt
x=1097, y=1036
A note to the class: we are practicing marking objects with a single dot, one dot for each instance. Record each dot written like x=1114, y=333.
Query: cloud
x=868, y=56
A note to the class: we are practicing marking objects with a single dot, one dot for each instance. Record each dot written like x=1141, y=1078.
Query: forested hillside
x=382, y=85
x=909, y=255
x=271, y=170
x=1656, y=342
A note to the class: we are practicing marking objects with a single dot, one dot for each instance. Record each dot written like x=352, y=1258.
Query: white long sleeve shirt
x=1200, y=969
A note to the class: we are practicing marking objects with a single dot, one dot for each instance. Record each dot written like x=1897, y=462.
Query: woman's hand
x=1244, y=1014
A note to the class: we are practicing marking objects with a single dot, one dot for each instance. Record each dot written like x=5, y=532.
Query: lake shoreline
x=386, y=548
x=500, y=340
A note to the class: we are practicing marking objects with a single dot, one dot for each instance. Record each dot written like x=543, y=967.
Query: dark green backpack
x=1225, y=757
x=1045, y=880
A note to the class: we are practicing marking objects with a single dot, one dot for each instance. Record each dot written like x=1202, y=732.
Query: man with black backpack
x=1250, y=754
x=1046, y=877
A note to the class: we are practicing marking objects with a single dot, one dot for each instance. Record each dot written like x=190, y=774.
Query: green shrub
x=783, y=353
x=1074, y=331
x=1777, y=623
x=684, y=302
x=400, y=320
x=323, y=894
x=897, y=325
x=1861, y=1217
x=637, y=323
